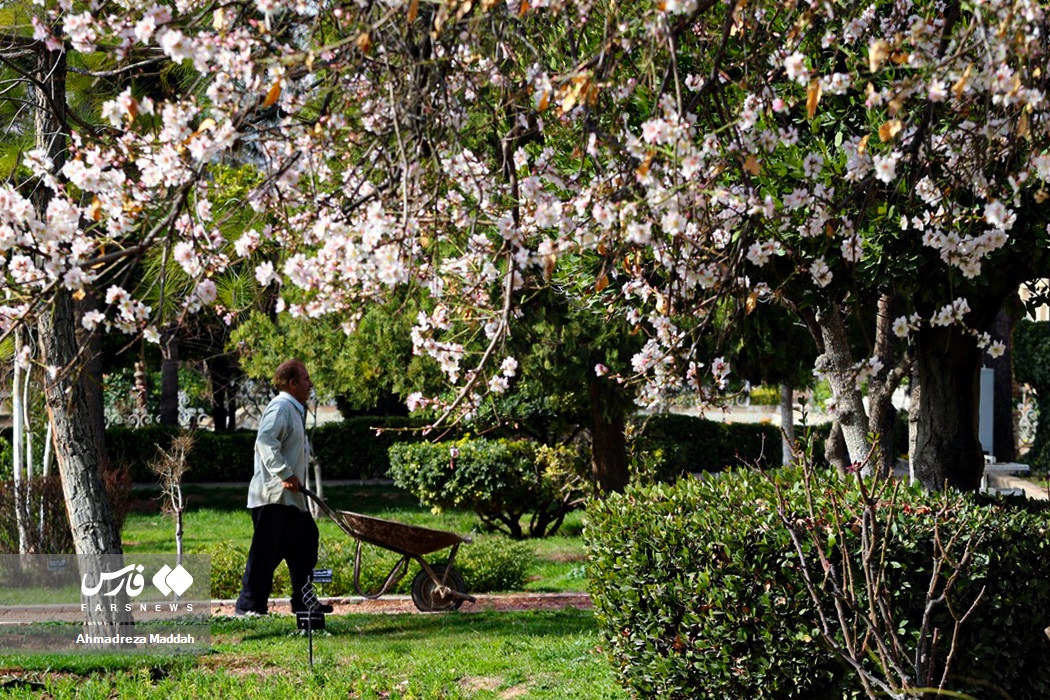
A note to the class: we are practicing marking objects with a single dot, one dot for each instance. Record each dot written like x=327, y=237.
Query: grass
x=543, y=654
x=534, y=655
x=217, y=515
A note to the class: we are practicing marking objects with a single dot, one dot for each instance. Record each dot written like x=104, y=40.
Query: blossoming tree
x=673, y=153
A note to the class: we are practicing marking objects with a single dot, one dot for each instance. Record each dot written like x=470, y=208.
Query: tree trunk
x=947, y=449
x=77, y=449
x=835, y=448
x=17, y=448
x=169, y=377
x=913, y=417
x=787, y=423
x=836, y=363
x=223, y=392
x=78, y=452
x=608, y=442
x=1003, y=401
x=91, y=380
x=882, y=416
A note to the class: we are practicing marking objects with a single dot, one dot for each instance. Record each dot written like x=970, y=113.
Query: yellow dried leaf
x=752, y=303
x=862, y=147
x=1022, y=125
x=96, y=209
x=752, y=165
x=133, y=109
x=464, y=8
x=548, y=265
x=568, y=96
x=364, y=42
x=890, y=129
x=899, y=57
x=813, y=97
x=878, y=52
x=413, y=11
x=79, y=295
x=273, y=95
x=206, y=125
x=895, y=106
x=602, y=283
x=218, y=20
x=960, y=84
x=523, y=8
x=544, y=102
x=643, y=169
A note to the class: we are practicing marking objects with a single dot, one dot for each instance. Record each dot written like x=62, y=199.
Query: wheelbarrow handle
x=319, y=501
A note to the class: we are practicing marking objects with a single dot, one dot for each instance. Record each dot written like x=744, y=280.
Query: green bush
x=698, y=589
x=674, y=444
x=499, y=480
x=765, y=396
x=495, y=564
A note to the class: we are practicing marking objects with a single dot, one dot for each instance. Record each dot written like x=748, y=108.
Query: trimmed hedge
x=672, y=444
x=350, y=449
x=698, y=590
x=679, y=444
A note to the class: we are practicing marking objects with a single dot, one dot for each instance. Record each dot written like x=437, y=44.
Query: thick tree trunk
x=169, y=377
x=91, y=380
x=1003, y=401
x=947, y=449
x=787, y=423
x=608, y=442
x=79, y=453
x=836, y=363
x=76, y=448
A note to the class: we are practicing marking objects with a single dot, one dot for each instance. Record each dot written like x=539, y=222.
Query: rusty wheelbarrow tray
x=436, y=587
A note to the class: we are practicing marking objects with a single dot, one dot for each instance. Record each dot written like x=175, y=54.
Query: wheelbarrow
x=437, y=587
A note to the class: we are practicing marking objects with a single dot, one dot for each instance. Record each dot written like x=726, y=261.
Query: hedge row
x=699, y=593
x=679, y=444
x=356, y=448
x=350, y=449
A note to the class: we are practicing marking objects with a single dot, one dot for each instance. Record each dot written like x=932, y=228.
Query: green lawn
x=531, y=655
x=217, y=514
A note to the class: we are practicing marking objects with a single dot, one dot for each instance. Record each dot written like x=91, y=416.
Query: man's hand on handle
x=292, y=484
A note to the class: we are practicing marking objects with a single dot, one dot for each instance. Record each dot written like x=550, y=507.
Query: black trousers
x=282, y=533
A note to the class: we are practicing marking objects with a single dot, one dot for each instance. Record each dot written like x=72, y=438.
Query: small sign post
x=312, y=618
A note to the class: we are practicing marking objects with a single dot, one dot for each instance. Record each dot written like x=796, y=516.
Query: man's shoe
x=237, y=612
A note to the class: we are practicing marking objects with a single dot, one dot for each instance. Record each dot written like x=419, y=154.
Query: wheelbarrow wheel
x=430, y=596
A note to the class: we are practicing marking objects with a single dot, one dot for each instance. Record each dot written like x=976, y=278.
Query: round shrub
x=495, y=564
x=499, y=480
x=699, y=592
